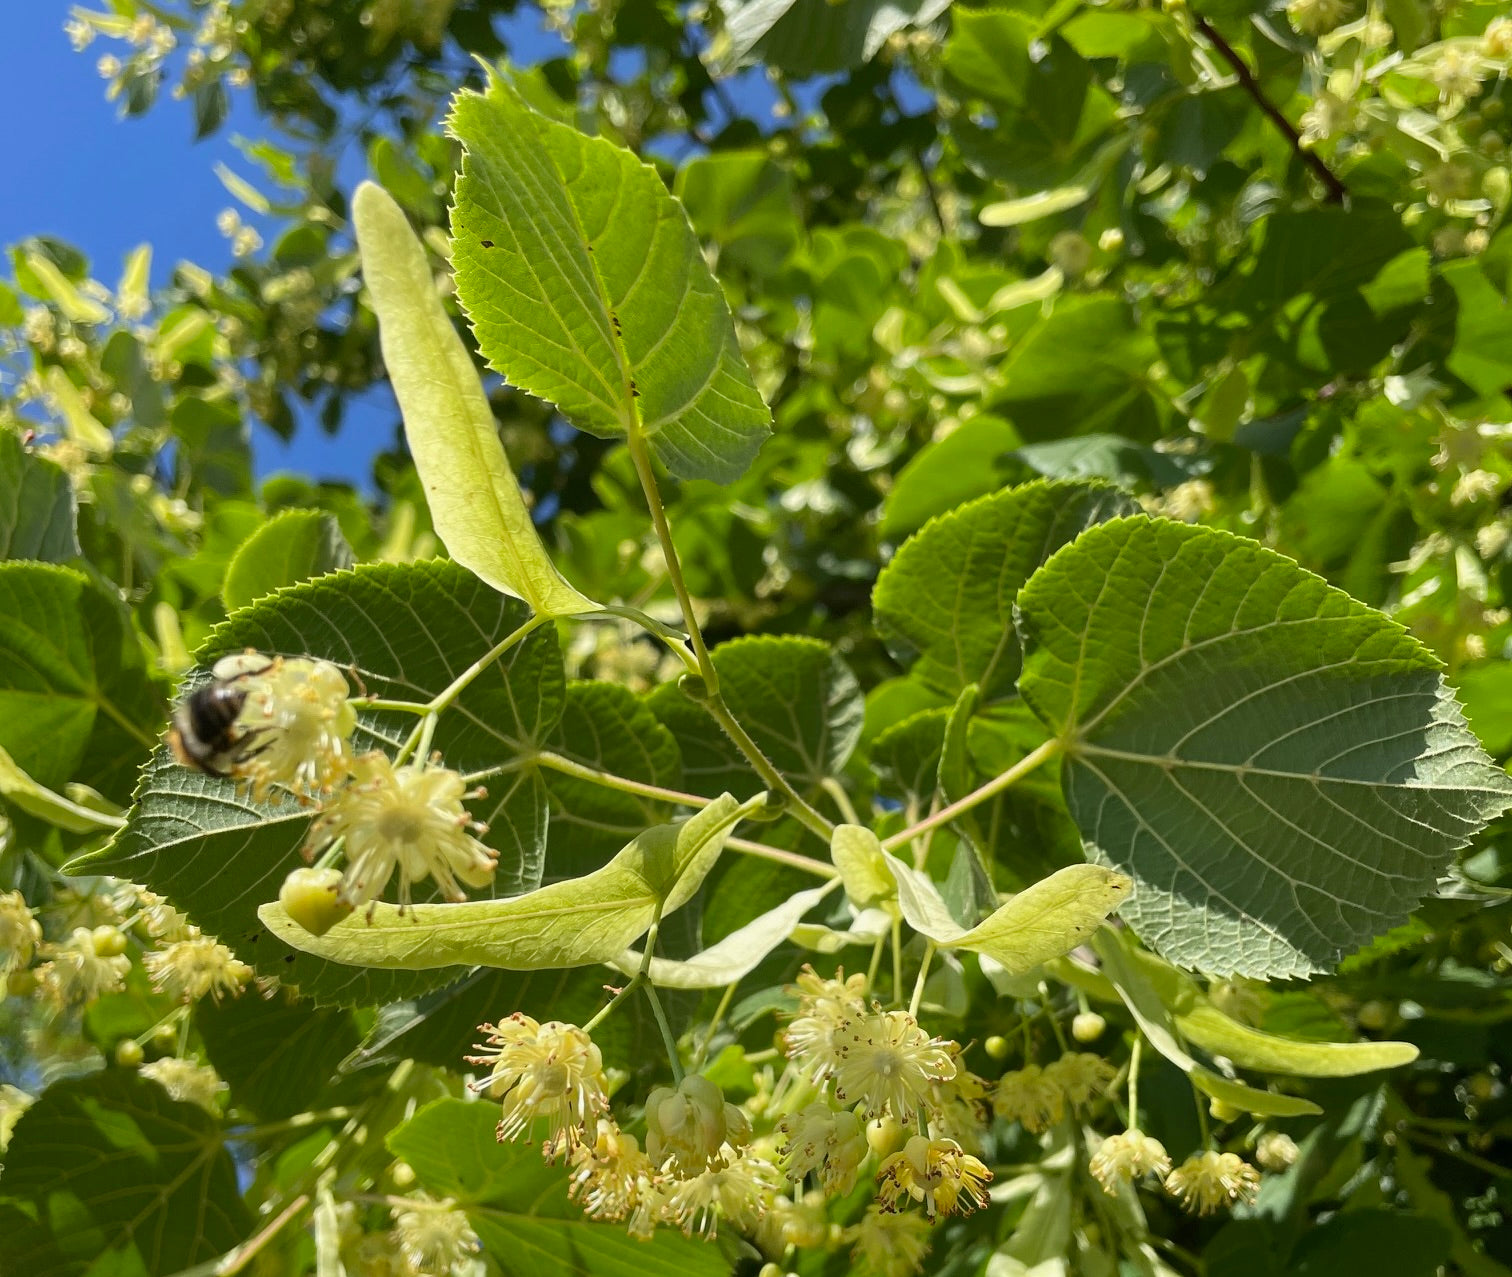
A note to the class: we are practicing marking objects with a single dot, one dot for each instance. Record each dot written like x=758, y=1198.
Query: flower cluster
x=292, y=736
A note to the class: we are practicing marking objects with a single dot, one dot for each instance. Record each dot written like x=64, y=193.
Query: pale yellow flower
x=822, y=1141
x=889, y=1244
x=740, y=1189
x=78, y=973
x=187, y=1081
x=433, y=1236
x=827, y=1009
x=1030, y=1097
x=938, y=1173
x=551, y=1072
x=188, y=970
x=887, y=1064
x=407, y=817
x=1081, y=1077
x=297, y=721
x=1207, y=1181
x=613, y=1180
x=1128, y=1156
x=20, y=932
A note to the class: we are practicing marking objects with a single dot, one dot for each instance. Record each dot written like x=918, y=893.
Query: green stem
x=876, y=961
x=638, y=979
x=712, y=700
x=918, y=990
x=714, y=1023
x=419, y=739
x=1055, y=1025
x=836, y=790
x=399, y=707
x=1035, y=758
x=668, y=1041
x=897, y=959
x=1134, y=1054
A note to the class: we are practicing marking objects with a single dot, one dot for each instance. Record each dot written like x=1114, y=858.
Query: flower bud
x=312, y=898
x=1276, y=1151
x=1223, y=1111
x=129, y=1053
x=996, y=1047
x=109, y=942
x=1088, y=1026
x=686, y=1126
x=885, y=1135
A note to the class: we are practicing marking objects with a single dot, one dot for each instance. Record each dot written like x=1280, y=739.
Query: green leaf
x=23, y=792
x=857, y=853
x=475, y=502
x=407, y=630
x=1155, y=1021
x=815, y=37
x=1279, y=768
x=946, y=599
x=519, y=1208
x=1030, y=208
x=108, y=1166
x=1048, y=918
x=38, y=513
x=79, y=424
x=573, y=923
x=586, y=286
x=1482, y=354
x=605, y=727
x=277, y=1053
x=75, y=699
x=293, y=546
x=969, y=462
x=744, y=202
x=797, y=699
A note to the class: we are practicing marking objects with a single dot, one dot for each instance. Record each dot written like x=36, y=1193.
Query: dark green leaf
x=111, y=1167
x=37, y=509
x=945, y=602
x=407, y=630
x=1280, y=769
x=292, y=547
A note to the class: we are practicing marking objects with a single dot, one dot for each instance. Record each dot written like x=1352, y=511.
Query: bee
x=204, y=734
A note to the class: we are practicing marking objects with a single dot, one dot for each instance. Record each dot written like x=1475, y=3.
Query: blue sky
x=79, y=171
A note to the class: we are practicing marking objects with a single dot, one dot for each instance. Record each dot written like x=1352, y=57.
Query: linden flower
x=690, y=1127
x=613, y=1180
x=938, y=1173
x=1081, y=1077
x=13, y=1102
x=411, y=817
x=20, y=932
x=552, y=1072
x=1127, y=1156
x=1207, y=1181
x=890, y=1245
x=1496, y=40
x=432, y=1236
x=803, y=1224
x=161, y=919
x=888, y=1063
x=1457, y=73
x=77, y=973
x=187, y=1081
x=818, y=1140
x=827, y=1009
x=299, y=722
x=1314, y=17
x=1276, y=1150
x=1031, y=1097
x=740, y=1190
x=189, y=969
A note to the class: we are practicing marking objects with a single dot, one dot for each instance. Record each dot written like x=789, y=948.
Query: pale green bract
x=474, y=499
x=586, y=286
x=568, y=924
x=1045, y=920
x=1279, y=768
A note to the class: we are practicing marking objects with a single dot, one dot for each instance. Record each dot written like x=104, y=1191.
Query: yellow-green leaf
x=567, y=924
x=81, y=425
x=1048, y=918
x=475, y=501
x=76, y=307
x=37, y=800
x=1033, y=207
x=857, y=853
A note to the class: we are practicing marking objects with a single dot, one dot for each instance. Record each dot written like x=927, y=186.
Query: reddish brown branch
x=1338, y=193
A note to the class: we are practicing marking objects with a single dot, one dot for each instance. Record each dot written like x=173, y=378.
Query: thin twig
x=1338, y=193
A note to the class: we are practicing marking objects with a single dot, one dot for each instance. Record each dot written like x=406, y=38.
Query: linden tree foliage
x=932, y=590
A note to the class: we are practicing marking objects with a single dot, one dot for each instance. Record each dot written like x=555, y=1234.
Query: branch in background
x=1338, y=193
